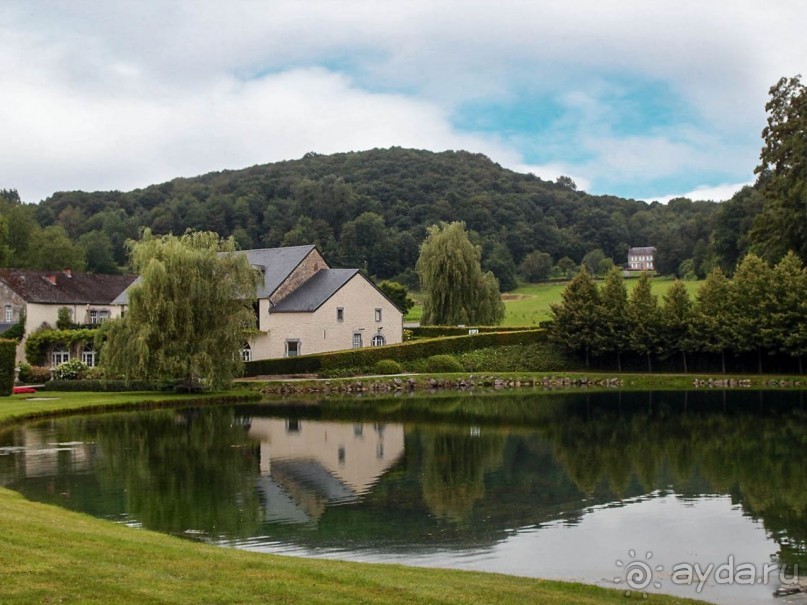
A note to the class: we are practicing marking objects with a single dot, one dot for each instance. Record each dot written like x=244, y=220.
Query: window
x=378, y=314
x=9, y=314
x=98, y=317
x=89, y=356
x=292, y=348
x=340, y=314
x=292, y=425
x=357, y=340
x=378, y=340
x=59, y=356
x=246, y=353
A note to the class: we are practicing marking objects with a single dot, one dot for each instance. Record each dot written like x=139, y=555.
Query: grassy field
x=529, y=304
x=51, y=555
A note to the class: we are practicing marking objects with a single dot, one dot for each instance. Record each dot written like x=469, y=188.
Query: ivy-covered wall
x=8, y=350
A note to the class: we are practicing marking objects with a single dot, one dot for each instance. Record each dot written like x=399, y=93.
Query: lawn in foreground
x=51, y=555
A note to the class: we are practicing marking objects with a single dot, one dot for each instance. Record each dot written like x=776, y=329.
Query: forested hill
x=372, y=208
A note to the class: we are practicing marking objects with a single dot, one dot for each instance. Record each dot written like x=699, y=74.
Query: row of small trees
x=760, y=310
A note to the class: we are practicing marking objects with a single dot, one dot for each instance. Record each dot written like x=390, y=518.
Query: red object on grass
x=21, y=390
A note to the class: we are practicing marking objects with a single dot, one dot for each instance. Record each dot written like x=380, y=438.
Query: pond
x=638, y=491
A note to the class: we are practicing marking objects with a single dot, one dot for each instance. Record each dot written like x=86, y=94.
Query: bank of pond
x=557, y=486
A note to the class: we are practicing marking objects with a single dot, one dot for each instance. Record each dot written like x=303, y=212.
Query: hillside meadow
x=529, y=304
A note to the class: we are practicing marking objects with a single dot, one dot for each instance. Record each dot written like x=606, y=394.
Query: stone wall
x=305, y=270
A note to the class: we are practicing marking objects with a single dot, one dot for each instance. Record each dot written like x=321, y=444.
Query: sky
x=649, y=99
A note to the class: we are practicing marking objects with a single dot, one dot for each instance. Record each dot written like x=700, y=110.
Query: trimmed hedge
x=441, y=331
x=387, y=366
x=8, y=356
x=367, y=357
x=105, y=386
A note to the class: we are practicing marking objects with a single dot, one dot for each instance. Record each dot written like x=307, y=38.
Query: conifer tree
x=456, y=290
x=577, y=320
x=615, y=321
x=711, y=318
x=789, y=308
x=750, y=307
x=645, y=321
x=188, y=312
x=676, y=322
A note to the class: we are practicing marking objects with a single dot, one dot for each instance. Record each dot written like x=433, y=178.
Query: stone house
x=306, y=307
x=642, y=258
x=37, y=297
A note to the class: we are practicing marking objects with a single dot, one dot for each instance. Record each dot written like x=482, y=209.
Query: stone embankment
x=393, y=385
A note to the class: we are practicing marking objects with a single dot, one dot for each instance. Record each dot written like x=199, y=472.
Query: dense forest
x=371, y=209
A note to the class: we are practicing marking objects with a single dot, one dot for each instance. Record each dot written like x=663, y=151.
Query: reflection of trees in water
x=756, y=455
x=454, y=467
x=182, y=470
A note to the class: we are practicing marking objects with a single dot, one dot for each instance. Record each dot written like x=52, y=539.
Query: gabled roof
x=65, y=287
x=277, y=264
x=314, y=292
x=642, y=250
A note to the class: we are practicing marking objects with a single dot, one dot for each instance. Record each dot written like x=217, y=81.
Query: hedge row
x=441, y=331
x=407, y=351
x=8, y=354
x=105, y=385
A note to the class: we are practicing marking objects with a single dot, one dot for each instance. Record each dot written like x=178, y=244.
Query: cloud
x=118, y=94
x=719, y=193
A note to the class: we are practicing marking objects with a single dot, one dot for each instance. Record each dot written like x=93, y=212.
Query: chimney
x=51, y=278
x=67, y=272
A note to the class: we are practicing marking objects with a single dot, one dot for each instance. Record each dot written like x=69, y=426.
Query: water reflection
x=305, y=466
x=556, y=486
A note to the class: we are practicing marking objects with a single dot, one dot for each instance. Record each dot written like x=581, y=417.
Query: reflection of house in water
x=36, y=455
x=306, y=465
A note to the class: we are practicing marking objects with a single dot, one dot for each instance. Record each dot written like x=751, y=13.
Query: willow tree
x=456, y=291
x=187, y=312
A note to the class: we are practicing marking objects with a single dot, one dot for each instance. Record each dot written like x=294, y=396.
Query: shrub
x=71, y=370
x=8, y=355
x=387, y=366
x=33, y=374
x=443, y=363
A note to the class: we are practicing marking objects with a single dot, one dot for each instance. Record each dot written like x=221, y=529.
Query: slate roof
x=278, y=263
x=4, y=327
x=70, y=287
x=319, y=288
x=643, y=250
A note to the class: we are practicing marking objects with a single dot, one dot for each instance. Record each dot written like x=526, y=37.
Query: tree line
x=758, y=311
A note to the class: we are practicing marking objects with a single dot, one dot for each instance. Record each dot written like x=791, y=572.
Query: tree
x=577, y=320
x=782, y=173
x=566, y=267
x=750, y=308
x=676, y=322
x=187, y=314
x=593, y=259
x=615, y=321
x=456, y=291
x=398, y=294
x=789, y=308
x=536, y=266
x=645, y=321
x=712, y=315
x=51, y=249
x=98, y=252
x=500, y=262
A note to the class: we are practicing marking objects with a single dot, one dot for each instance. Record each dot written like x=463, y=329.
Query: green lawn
x=51, y=555
x=529, y=304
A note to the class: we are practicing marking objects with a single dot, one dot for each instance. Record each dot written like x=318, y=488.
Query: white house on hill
x=642, y=258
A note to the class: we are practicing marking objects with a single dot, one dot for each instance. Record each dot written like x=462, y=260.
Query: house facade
x=37, y=296
x=305, y=307
x=642, y=258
